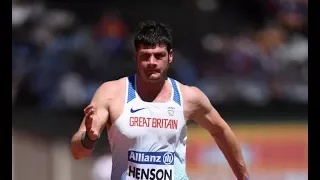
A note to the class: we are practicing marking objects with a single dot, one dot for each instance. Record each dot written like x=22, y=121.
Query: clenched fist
x=91, y=120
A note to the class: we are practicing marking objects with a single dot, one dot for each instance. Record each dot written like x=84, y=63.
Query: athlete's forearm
x=77, y=148
x=229, y=145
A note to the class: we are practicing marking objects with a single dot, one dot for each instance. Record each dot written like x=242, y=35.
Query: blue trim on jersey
x=131, y=88
x=132, y=91
x=176, y=94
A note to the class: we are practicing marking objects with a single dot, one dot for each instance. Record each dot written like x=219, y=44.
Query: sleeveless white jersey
x=148, y=140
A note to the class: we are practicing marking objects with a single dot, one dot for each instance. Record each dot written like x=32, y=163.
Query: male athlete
x=146, y=116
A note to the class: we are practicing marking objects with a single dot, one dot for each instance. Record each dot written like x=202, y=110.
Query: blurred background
x=250, y=57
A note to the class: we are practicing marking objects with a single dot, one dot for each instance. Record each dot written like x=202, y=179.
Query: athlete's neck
x=149, y=91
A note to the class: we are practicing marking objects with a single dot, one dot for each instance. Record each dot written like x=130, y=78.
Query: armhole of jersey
x=176, y=94
x=180, y=94
x=126, y=91
x=130, y=89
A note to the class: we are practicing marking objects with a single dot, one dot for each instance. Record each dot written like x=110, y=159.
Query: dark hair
x=153, y=33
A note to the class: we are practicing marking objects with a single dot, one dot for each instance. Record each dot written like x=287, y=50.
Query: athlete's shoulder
x=113, y=86
x=186, y=88
x=191, y=93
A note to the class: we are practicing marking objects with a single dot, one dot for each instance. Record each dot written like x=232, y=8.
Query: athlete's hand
x=91, y=120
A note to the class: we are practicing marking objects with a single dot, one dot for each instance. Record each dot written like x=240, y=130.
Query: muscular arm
x=206, y=116
x=100, y=102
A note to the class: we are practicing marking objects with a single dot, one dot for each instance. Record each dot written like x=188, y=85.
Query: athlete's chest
x=151, y=119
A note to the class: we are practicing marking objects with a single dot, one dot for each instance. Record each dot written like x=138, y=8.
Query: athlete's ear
x=170, y=56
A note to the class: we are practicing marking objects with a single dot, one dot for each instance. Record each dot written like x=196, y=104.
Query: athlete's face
x=153, y=62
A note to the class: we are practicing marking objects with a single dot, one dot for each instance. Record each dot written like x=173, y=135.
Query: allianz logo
x=161, y=158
